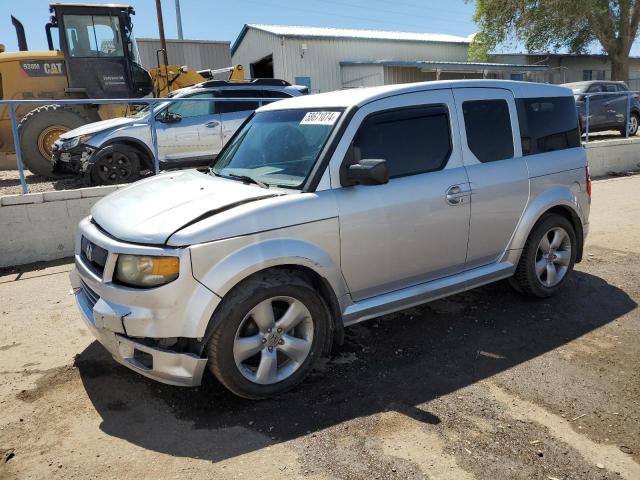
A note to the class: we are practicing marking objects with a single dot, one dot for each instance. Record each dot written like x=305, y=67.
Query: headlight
x=75, y=141
x=146, y=271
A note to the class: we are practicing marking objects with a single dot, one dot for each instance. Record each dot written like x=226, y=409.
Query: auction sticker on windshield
x=320, y=118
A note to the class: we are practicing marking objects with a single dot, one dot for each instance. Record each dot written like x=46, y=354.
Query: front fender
x=223, y=264
x=558, y=196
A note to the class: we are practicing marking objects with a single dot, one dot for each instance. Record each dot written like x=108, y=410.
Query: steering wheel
x=288, y=144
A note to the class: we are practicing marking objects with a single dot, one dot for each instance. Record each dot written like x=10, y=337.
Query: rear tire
x=40, y=128
x=547, y=258
x=115, y=164
x=254, y=350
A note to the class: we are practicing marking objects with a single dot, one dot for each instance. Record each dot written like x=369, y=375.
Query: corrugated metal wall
x=406, y=75
x=196, y=54
x=322, y=57
x=354, y=76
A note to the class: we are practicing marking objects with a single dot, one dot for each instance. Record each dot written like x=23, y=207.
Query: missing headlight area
x=75, y=160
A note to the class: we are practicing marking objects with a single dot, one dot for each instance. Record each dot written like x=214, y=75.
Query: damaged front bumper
x=140, y=327
x=74, y=160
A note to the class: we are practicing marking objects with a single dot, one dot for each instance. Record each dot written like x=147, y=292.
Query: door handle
x=212, y=124
x=456, y=194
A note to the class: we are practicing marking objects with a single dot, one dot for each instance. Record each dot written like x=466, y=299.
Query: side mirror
x=372, y=171
x=169, y=117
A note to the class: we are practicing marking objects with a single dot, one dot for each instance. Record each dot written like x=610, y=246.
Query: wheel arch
x=299, y=257
x=559, y=200
x=146, y=157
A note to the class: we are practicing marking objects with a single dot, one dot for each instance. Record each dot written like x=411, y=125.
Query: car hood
x=97, y=127
x=151, y=210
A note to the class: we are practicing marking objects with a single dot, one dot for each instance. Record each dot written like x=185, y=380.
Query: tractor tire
x=40, y=128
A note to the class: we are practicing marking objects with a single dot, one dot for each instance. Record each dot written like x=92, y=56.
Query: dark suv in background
x=607, y=106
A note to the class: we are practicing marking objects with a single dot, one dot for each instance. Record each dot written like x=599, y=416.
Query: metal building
x=327, y=59
x=564, y=68
x=197, y=54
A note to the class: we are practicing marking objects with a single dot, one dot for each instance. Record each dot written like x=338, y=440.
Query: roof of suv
x=591, y=82
x=272, y=85
x=360, y=96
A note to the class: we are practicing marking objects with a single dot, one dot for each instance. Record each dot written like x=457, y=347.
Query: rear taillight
x=586, y=169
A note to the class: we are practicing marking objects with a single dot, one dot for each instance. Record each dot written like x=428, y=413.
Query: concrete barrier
x=613, y=156
x=40, y=226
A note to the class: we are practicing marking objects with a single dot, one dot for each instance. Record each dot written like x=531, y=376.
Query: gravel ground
x=483, y=385
x=10, y=182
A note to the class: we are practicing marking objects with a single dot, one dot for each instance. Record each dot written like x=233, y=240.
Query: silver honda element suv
x=326, y=210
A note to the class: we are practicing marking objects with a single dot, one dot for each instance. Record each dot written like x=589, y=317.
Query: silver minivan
x=326, y=210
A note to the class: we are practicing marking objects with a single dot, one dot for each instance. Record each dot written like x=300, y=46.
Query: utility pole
x=163, y=42
x=179, y=20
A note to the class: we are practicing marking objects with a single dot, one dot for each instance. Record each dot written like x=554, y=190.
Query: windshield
x=277, y=147
x=578, y=89
x=142, y=113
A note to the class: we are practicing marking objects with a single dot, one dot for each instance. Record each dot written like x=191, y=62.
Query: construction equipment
x=96, y=57
x=173, y=77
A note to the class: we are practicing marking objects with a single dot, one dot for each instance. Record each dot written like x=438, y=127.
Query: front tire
x=115, y=164
x=271, y=329
x=547, y=258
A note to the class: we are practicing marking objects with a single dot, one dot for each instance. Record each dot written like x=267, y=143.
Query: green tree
x=559, y=24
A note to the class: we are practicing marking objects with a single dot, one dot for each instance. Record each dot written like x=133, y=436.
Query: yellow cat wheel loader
x=95, y=56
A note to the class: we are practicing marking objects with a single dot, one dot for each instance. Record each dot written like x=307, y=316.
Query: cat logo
x=53, y=68
x=43, y=69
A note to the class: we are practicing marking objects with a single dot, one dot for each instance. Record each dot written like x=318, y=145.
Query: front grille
x=92, y=297
x=94, y=255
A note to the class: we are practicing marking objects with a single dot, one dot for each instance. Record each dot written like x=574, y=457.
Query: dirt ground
x=483, y=385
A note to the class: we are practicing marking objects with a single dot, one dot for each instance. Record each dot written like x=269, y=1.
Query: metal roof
x=452, y=66
x=360, y=96
x=327, y=32
x=90, y=5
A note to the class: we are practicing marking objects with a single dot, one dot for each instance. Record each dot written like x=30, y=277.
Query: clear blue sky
x=223, y=20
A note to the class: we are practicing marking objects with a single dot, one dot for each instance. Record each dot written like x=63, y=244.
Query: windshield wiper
x=247, y=179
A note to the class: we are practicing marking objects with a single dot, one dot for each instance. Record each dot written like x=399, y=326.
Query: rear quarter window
x=547, y=124
x=488, y=127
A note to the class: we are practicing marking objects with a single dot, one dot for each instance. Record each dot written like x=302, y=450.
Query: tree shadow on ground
x=397, y=362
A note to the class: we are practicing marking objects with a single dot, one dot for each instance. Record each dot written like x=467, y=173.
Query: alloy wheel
x=114, y=168
x=633, y=125
x=553, y=257
x=273, y=340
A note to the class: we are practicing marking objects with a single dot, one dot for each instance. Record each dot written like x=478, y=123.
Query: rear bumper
x=181, y=369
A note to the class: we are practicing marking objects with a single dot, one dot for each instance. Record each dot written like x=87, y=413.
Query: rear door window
x=488, y=127
x=223, y=106
x=547, y=124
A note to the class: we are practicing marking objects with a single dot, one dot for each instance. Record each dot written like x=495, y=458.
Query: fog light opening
x=144, y=359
